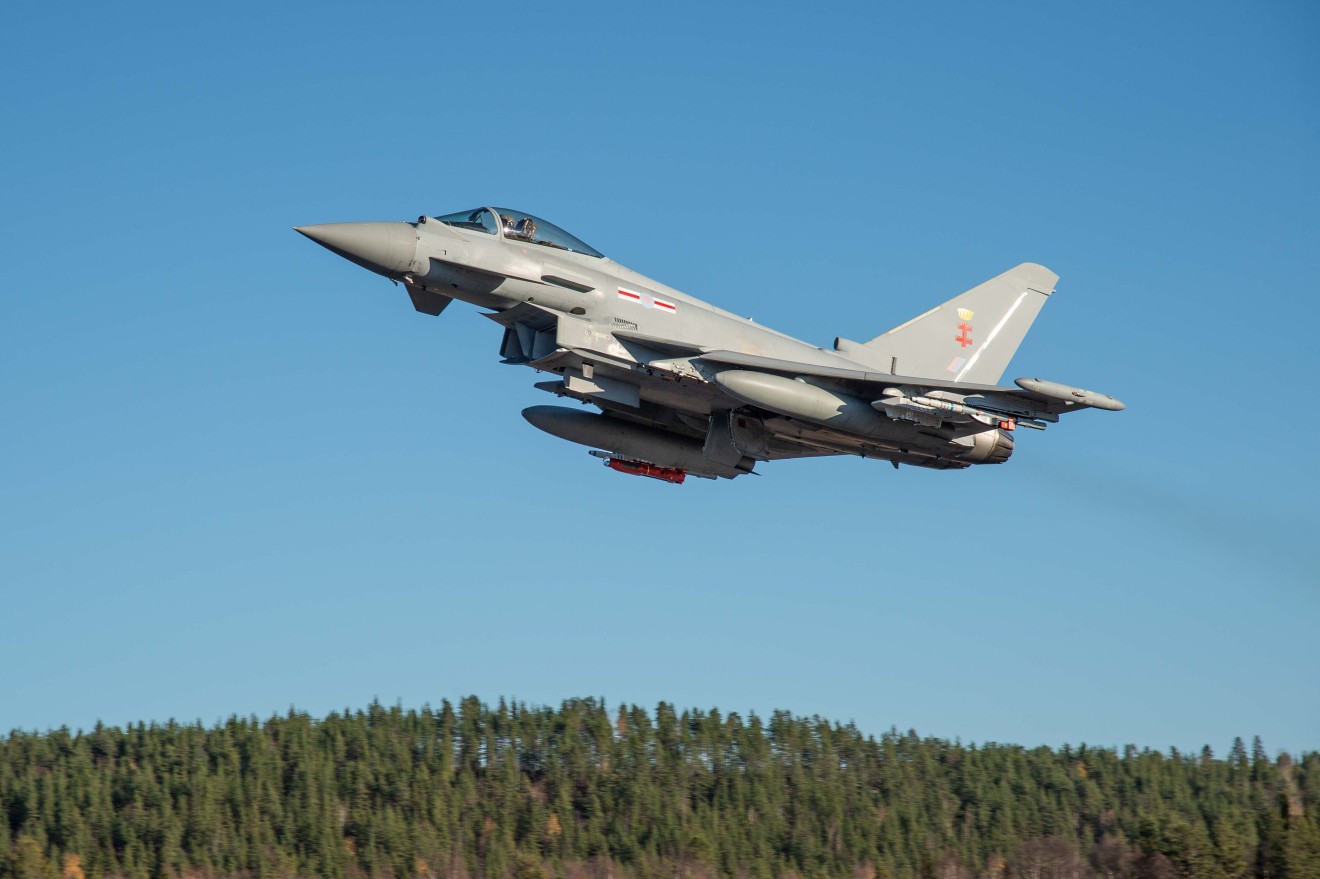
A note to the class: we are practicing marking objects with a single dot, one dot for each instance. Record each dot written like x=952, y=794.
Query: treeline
x=519, y=792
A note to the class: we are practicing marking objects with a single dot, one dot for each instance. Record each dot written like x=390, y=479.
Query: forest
x=512, y=791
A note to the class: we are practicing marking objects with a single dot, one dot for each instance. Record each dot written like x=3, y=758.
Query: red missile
x=641, y=468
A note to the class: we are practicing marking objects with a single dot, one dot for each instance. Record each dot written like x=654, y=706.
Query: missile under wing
x=681, y=387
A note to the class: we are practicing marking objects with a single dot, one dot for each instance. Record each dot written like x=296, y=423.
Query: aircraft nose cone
x=385, y=248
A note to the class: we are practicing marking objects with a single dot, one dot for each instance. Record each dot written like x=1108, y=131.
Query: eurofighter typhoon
x=685, y=388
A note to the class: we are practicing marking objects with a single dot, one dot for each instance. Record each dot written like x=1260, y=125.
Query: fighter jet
x=686, y=388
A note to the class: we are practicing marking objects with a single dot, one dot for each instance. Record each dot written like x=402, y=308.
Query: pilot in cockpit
x=524, y=228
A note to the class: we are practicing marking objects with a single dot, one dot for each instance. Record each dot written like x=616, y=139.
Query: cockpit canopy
x=517, y=226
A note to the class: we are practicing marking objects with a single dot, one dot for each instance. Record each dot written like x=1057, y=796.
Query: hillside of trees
x=585, y=792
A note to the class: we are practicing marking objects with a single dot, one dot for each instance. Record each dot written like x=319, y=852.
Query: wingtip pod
x=1068, y=394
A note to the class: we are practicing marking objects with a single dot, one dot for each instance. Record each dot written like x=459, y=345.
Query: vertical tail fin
x=970, y=338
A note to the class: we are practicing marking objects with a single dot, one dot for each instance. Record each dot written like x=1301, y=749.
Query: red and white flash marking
x=648, y=301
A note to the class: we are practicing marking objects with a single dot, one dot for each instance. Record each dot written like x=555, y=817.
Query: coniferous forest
x=584, y=792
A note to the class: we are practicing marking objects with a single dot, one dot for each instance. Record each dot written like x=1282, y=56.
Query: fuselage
x=498, y=272
x=688, y=386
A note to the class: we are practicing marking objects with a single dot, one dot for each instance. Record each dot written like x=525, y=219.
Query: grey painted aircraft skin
x=684, y=387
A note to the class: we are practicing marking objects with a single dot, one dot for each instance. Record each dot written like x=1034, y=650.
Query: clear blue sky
x=238, y=473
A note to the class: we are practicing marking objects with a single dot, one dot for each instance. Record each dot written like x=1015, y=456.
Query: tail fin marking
x=944, y=343
x=994, y=334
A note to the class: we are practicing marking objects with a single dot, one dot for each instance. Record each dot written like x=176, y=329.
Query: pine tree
x=1301, y=849
x=27, y=860
x=492, y=791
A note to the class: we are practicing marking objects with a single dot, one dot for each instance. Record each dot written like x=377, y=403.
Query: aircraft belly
x=669, y=394
x=932, y=454
x=686, y=395
x=691, y=401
